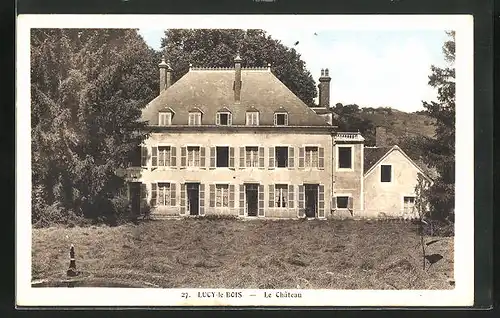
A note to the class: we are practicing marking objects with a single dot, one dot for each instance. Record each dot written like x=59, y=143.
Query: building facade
x=236, y=141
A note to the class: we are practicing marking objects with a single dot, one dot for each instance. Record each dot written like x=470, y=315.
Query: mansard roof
x=212, y=89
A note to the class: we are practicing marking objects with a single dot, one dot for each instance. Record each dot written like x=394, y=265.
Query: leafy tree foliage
x=441, y=150
x=218, y=48
x=350, y=119
x=87, y=87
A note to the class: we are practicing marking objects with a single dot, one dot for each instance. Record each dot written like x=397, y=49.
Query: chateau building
x=236, y=141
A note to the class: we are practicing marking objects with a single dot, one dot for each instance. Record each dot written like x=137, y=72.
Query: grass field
x=195, y=253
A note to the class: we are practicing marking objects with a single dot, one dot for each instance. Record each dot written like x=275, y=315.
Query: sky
x=379, y=68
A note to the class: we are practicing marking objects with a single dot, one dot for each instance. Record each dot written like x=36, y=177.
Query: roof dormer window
x=164, y=119
x=223, y=118
x=281, y=119
x=194, y=119
x=252, y=118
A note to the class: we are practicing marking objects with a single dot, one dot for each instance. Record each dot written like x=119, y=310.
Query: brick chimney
x=380, y=137
x=324, y=89
x=237, y=78
x=165, y=75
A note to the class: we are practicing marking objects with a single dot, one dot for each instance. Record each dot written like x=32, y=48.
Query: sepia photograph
x=235, y=163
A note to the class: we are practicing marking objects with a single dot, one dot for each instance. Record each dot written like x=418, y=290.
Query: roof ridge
x=203, y=68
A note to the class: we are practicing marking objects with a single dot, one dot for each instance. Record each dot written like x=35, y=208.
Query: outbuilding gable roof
x=210, y=90
x=373, y=156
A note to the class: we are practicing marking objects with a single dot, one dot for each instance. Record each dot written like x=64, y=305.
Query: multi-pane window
x=280, y=195
x=311, y=157
x=223, y=119
x=345, y=158
x=164, y=154
x=252, y=156
x=194, y=118
x=252, y=119
x=163, y=196
x=193, y=156
x=222, y=195
x=280, y=119
x=409, y=204
x=385, y=173
x=164, y=118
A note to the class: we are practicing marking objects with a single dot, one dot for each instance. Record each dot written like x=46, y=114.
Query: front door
x=252, y=199
x=311, y=200
x=135, y=197
x=193, y=197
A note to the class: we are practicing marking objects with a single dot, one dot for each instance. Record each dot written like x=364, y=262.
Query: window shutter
x=212, y=195
x=183, y=199
x=349, y=203
x=173, y=156
x=173, y=191
x=301, y=157
x=242, y=157
x=321, y=157
x=261, y=157
x=144, y=156
x=271, y=196
x=183, y=157
x=229, y=119
x=202, y=199
x=154, y=156
x=301, y=200
x=212, y=157
x=286, y=119
x=291, y=198
x=231, y=157
x=275, y=119
x=291, y=159
x=242, y=200
x=217, y=119
x=144, y=196
x=261, y=199
x=321, y=201
x=153, y=194
x=334, y=203
x=271, y=157
x=231, y=195
x=202, y=157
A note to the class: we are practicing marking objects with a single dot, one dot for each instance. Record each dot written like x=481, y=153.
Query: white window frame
x=221, y=186
x=158, y=183
x=380, y=173
x=255, y=160
x=252, y=118
x=276, y=118
x=338, y=158
x=169, y=157
x=167, y=118
x=194, y=118
x=229, y=118
x=194, y=157
x=412, y=195
x=348, y=195
x=305, y=156
x=285, y=188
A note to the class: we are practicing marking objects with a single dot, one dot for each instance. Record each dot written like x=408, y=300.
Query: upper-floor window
x=251, y=156
x=164, y=119
x=385, y=173
x=311, y=157
x=252, y=119
x=280, y=119
x=345, y=157
x=193, y=156
x=223, y=119
x=194, y=118
x=164, y=156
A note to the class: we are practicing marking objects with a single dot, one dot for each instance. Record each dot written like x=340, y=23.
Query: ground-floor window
x=222, y=195
x=280, y=195
x=409, y=204
x=163, y=194
x=343, y=202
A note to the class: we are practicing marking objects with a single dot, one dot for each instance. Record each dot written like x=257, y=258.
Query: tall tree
x=87, y=89
x=217, y=48
x=441, y=150
x=349, y=118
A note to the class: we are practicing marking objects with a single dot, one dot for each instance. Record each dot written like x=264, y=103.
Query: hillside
x=399, y=124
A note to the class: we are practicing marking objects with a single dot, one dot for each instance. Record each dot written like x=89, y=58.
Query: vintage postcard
x=236, y=160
